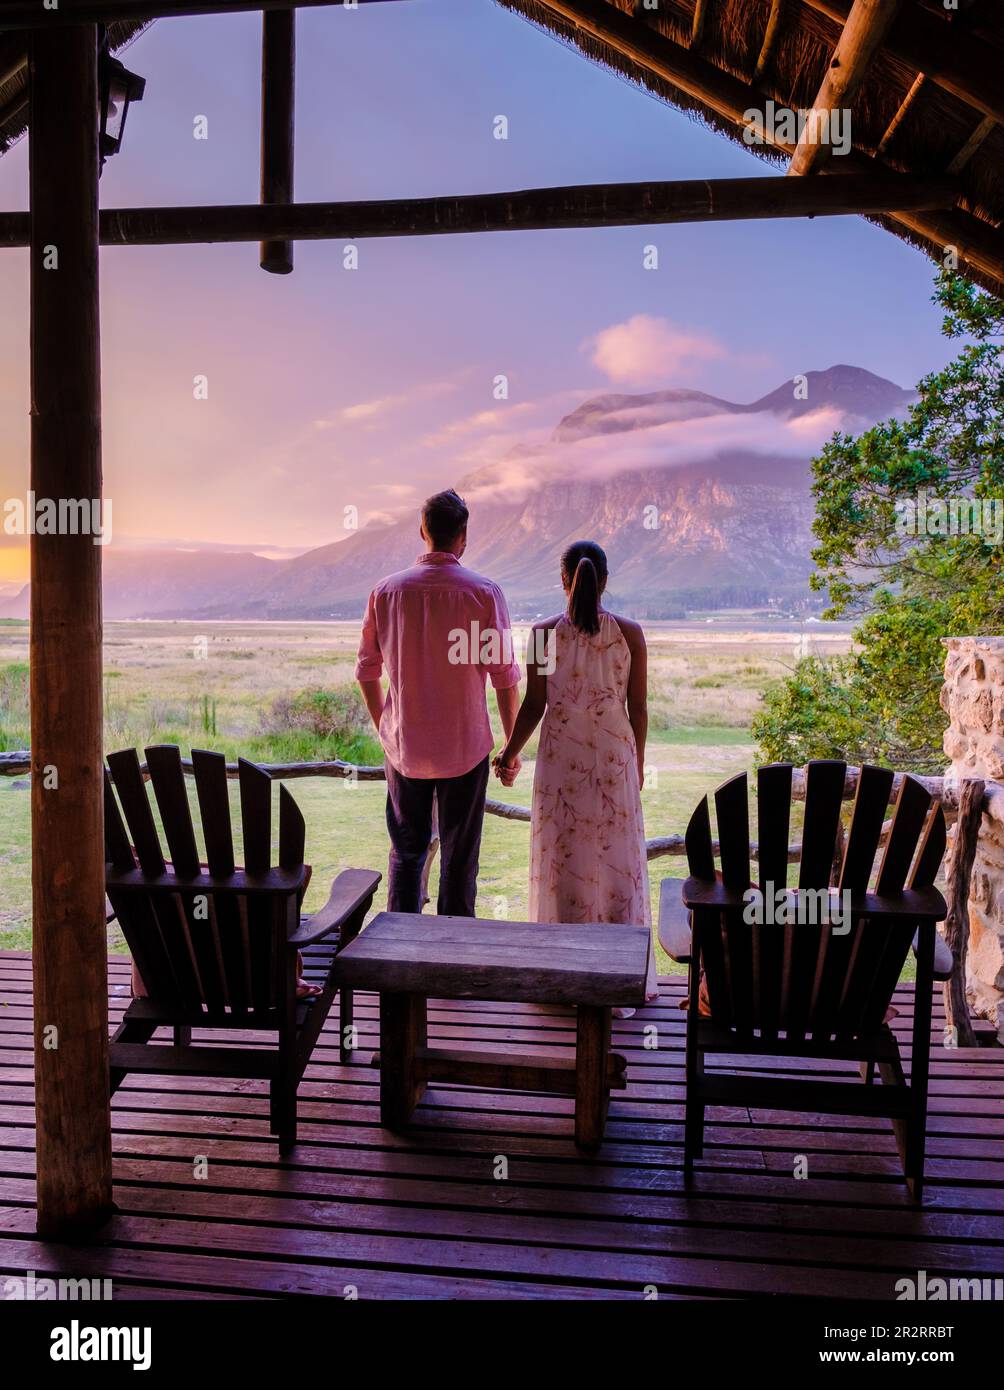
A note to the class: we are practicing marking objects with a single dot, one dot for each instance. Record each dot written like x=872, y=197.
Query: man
x=439, y=629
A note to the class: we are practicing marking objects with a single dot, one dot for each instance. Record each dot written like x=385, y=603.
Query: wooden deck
x=424, y=1215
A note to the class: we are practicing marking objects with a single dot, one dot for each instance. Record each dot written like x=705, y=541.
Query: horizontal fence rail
x=945, y=790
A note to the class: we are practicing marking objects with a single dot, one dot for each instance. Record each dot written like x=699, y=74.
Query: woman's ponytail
x=584, y=597
x=584, y=575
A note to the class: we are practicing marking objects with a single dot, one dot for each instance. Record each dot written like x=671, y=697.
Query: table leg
x=592, y=1092
x=402, y=1030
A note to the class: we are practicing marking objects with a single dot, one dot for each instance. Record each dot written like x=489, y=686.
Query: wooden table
x=408, y=958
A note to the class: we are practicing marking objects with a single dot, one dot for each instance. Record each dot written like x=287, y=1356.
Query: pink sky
x=370, y=388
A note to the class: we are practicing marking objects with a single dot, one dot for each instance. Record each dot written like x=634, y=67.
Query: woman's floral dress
x=587, y=846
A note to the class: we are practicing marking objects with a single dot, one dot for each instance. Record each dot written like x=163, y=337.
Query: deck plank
x=422, y=1214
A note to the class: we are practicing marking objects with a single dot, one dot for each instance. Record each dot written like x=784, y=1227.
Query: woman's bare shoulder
x=634, y=634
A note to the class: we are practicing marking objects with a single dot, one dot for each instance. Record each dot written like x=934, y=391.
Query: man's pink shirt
x=435, y=718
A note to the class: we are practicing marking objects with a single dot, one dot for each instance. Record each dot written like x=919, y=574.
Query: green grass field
x=284, y=692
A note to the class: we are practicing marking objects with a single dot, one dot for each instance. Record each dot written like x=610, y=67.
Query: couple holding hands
x=588, y=860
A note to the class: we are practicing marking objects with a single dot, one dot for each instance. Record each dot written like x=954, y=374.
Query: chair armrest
x=944, y=961
x=352, y=889
x=674, y=921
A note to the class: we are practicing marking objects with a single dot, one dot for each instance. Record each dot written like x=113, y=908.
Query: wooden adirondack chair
x=216, y=945
x=792, y=990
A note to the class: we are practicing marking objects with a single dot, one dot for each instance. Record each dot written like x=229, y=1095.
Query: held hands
x=506, y=769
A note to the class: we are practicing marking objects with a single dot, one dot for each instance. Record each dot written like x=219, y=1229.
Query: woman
x=587, y=849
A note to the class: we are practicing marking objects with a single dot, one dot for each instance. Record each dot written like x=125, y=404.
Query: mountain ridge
x=699, y=502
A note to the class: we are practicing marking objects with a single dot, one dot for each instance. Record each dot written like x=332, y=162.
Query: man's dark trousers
x=461, y=806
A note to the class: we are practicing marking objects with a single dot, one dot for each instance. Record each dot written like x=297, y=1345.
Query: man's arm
x=504, y=673
x=528, y=716
x=508, y=703
x=369, y=665
x=372, y=692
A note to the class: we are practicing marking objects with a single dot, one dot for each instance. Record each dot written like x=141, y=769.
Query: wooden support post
x=959, y=874
x=69, y=949
x=278, y=71
x=403, y=1032
x=592, y=1088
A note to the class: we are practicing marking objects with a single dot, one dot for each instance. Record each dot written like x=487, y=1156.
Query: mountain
x=699, y=502
x=168, y=583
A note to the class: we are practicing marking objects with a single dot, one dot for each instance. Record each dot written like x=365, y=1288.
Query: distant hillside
x=698, y=501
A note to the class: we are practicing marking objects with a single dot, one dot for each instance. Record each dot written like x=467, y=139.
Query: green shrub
x=14, y=719
x=318, y=723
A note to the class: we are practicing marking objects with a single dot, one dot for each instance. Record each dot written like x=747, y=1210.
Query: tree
x=910, y=530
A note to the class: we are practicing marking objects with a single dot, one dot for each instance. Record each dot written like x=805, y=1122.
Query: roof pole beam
x=862, y=35
x=532, y=209
x=278, y=81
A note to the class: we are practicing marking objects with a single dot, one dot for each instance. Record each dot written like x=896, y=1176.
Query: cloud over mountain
x=698, y=501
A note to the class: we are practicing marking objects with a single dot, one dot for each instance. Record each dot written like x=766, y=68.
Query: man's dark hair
x=444, y=516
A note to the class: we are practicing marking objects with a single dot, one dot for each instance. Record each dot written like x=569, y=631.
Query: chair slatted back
x=256, y=821
x=871, y=798
x=214, y=812
x=773, y=826
x=201, y=945
x=805, y=943
x=815, y=977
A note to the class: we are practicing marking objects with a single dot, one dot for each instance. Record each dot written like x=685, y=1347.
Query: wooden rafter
x=977, y=243
x=986, y=127
x=862, y=35
x=587, y=205
x=700, y=22
x=13, y=57
x=771, y=39
x=951, y=58
x=902, y=111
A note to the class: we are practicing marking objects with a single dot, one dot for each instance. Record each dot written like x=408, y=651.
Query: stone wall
x=973, y=699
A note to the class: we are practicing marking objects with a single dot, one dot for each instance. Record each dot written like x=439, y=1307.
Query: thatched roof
x=14, y=76
x=925, y=90
x=937, y=130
